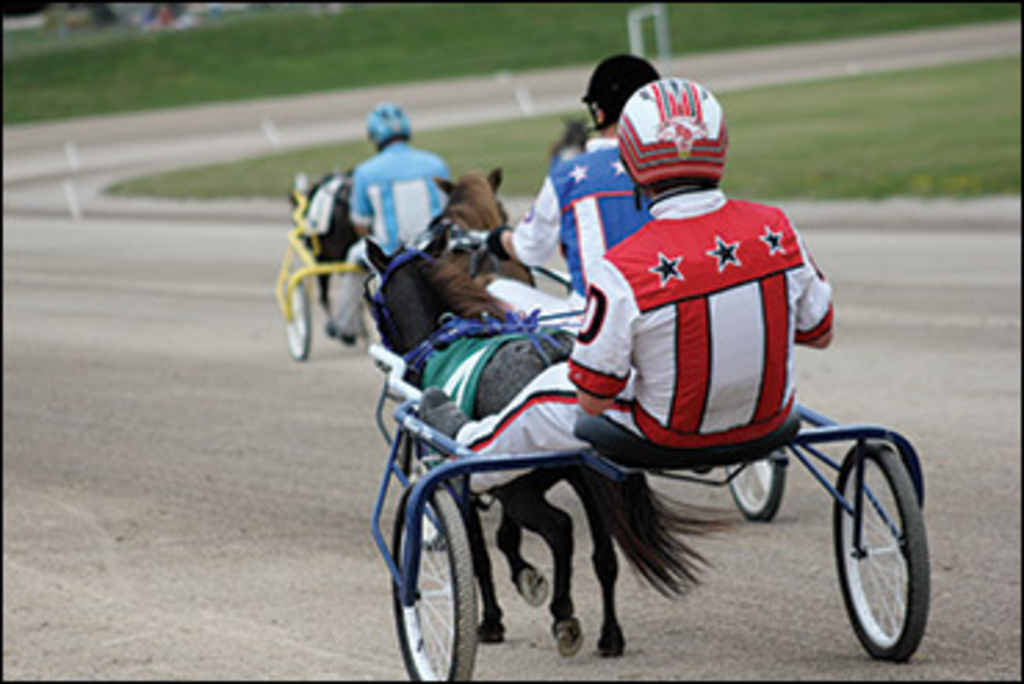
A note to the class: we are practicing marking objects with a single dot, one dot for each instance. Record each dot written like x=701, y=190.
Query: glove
x=494, y=244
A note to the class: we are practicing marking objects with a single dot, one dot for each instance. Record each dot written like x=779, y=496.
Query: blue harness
x=452, y=327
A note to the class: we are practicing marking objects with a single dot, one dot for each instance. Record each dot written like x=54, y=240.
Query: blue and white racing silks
x=587, y=206
x=395, y=194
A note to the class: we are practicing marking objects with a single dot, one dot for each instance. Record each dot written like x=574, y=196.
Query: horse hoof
x=611, y=644
x=490, y=633
x=569, y=636
x=533, y=587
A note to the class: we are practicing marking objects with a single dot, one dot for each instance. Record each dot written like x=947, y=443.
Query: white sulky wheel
x=886, y=582
x=437, y=633
x=757, y=489
x=299, y=328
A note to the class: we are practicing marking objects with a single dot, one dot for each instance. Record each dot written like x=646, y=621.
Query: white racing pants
x=349, y=319
x=541, y=418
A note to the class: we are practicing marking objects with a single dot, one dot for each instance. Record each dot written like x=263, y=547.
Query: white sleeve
x=814, y=300
x=602, y=357
x=535, y=239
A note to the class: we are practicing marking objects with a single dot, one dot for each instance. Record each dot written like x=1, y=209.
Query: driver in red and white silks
x=691, y=322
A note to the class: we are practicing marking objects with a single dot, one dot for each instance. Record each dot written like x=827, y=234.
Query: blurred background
x=866, y=136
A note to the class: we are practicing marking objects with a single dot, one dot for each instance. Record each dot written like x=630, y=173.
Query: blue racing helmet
x=386, y=123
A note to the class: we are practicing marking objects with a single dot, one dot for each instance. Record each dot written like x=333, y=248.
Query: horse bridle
x=381, y=314
x=460, y=240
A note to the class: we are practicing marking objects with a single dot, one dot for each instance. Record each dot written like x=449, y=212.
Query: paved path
x=182, y=501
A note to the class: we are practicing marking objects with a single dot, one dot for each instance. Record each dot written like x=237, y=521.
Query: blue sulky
x=889, y=627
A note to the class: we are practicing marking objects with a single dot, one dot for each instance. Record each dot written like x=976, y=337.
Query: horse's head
x=473, y=202
x=414, y=290
x=473, y=208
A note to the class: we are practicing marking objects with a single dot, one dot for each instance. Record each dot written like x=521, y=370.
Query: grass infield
x=952, y=131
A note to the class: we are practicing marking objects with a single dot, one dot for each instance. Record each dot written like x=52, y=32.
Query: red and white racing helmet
x=673, y=129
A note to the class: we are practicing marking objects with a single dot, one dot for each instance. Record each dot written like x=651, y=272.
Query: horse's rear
x=335, y=232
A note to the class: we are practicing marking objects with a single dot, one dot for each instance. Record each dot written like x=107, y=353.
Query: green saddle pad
x=457, y=368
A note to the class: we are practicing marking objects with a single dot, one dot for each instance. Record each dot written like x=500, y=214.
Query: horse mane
x=467, y=298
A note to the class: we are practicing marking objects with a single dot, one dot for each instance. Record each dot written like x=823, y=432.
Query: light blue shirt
x=394, y=193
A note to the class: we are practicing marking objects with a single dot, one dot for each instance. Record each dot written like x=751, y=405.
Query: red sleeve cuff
x=804, y=337
x=592, y=382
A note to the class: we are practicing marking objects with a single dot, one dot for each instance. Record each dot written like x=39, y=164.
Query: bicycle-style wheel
x=886, y=581
x=437, y=634
x=757, y=489
x=299, y=328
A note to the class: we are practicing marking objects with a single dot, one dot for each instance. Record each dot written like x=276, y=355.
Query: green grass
x=948, y=131
x=952, y=131
x=276, y=53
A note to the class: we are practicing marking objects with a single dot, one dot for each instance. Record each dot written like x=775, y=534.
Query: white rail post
x=71, y=197
x=71, y=154
x=270, y=130
x=635, y=23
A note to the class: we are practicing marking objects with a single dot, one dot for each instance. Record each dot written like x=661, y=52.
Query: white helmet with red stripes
x=673, y=130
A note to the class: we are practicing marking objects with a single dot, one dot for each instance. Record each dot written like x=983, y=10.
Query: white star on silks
x=667, y=269
x=578, y=173
x=620, y=170
x=725, y=252
x=773, y=240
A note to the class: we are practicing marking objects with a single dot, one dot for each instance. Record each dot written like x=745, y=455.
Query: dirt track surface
x=181, y=500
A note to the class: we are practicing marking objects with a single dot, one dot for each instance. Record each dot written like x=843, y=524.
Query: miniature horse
x=341, y=234
x=473, y=207
x=414, y=293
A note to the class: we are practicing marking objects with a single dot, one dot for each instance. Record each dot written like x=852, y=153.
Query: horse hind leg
x=528, y=580
x=490, y=630
x=528, y=507
x=612, y=643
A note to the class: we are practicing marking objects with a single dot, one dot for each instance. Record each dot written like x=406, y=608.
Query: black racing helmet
x=611, y=84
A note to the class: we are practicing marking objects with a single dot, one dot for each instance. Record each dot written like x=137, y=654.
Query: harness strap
x=454, y=328
x=381, y=313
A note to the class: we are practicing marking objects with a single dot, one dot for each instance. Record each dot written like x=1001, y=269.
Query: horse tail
x=651, y=529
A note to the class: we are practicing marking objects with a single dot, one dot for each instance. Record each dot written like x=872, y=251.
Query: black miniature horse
x=472, y=209
x=412, y=299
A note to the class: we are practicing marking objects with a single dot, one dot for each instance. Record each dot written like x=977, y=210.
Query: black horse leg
x=324, y=279
x=528, y=507
x=606, y=567
x=490, y=630
x=529, y=581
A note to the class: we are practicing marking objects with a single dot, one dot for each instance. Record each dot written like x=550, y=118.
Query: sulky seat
x=623, y=447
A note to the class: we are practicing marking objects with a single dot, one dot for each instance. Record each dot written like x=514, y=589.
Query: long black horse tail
x=652, y=530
